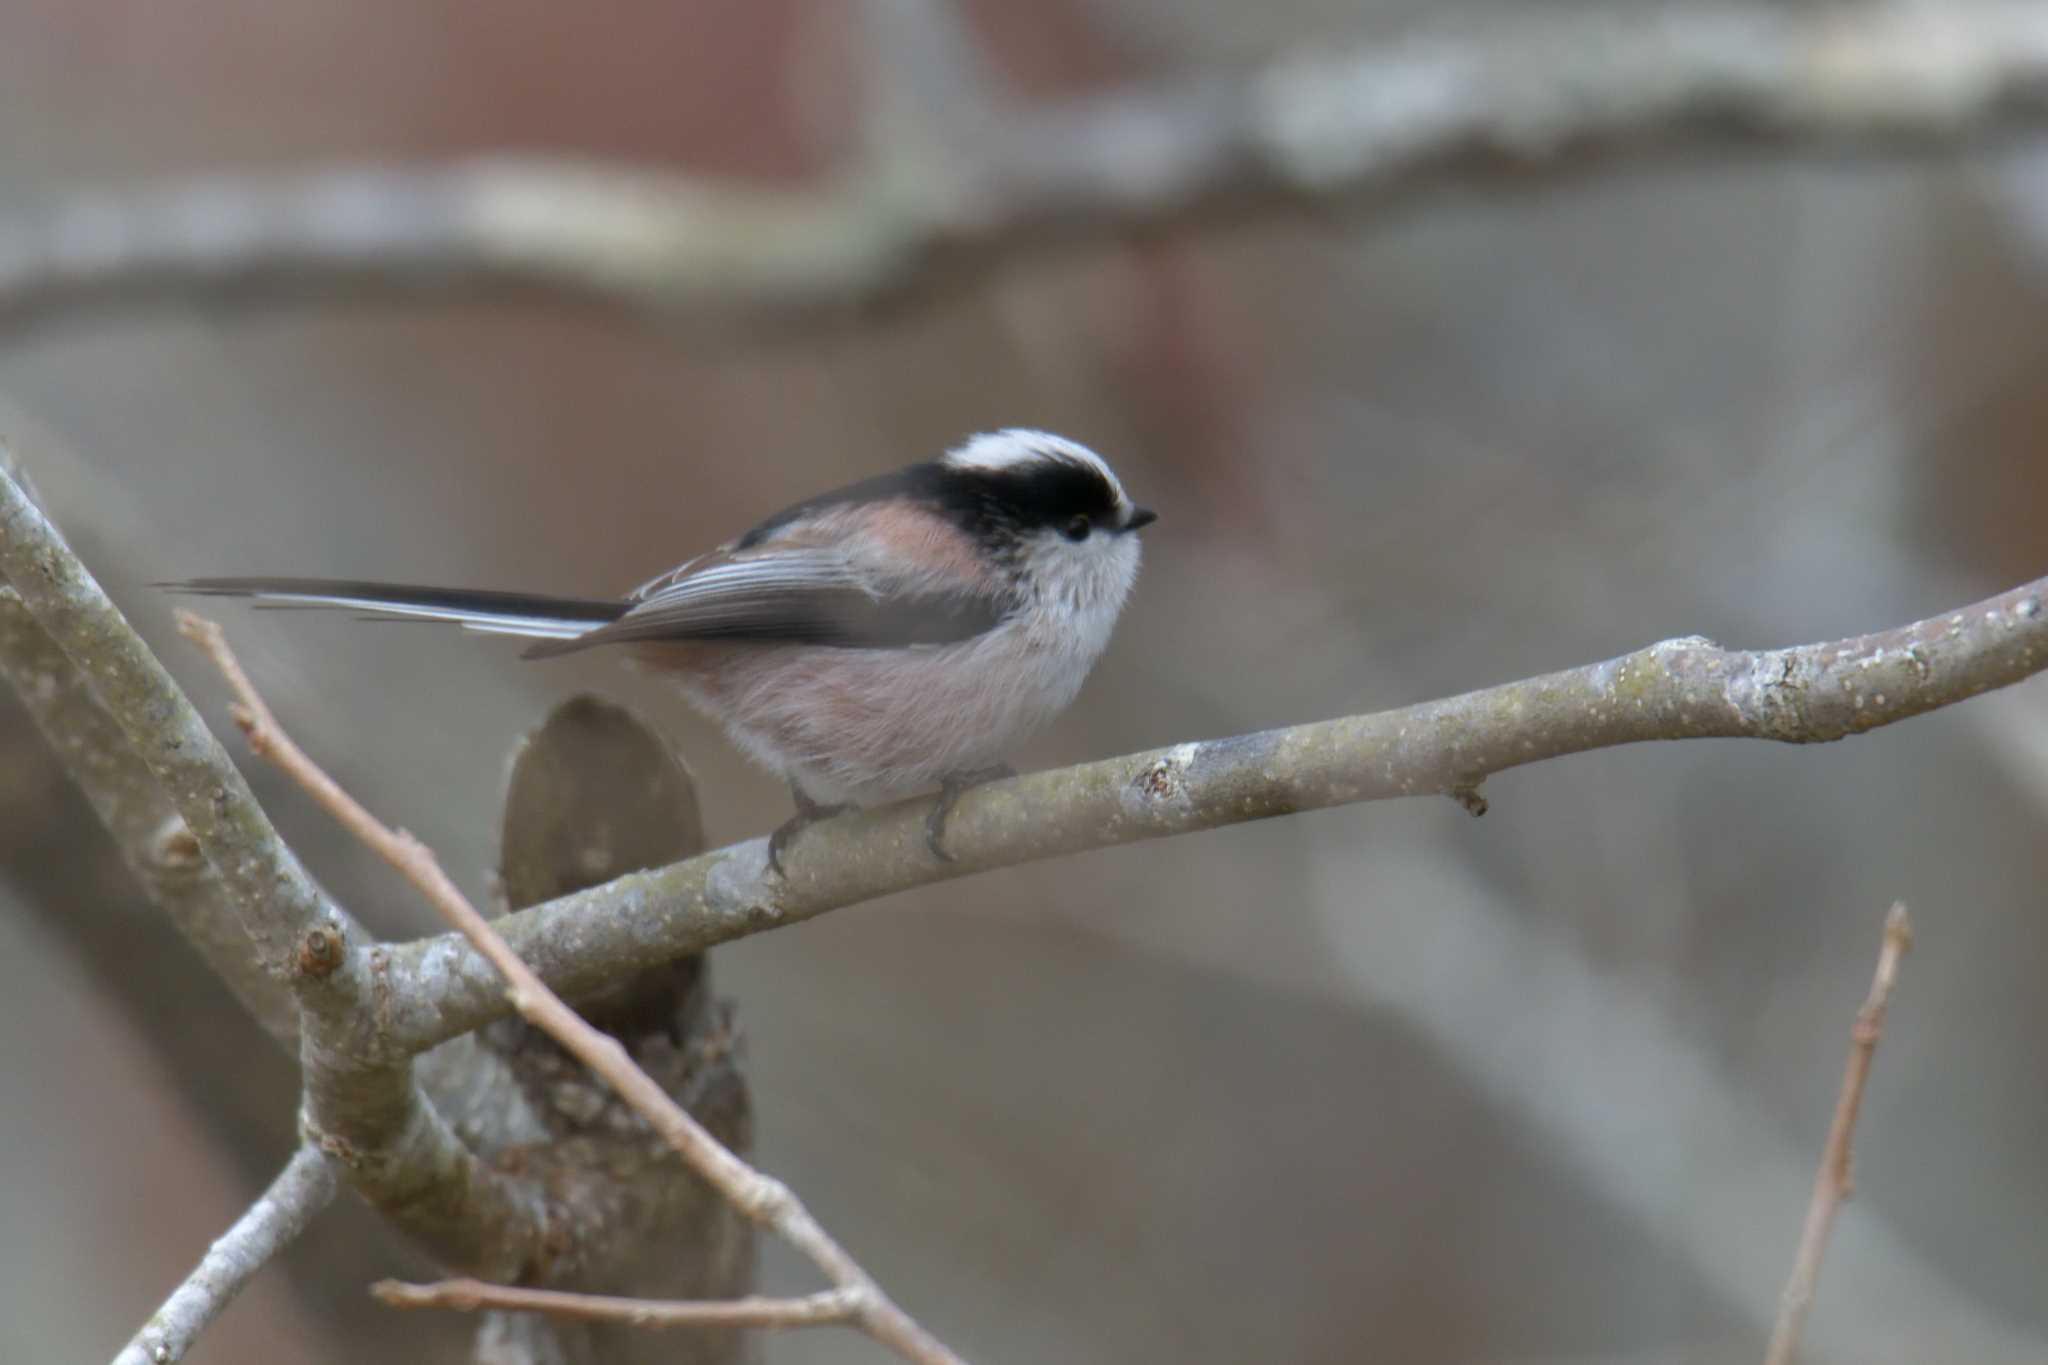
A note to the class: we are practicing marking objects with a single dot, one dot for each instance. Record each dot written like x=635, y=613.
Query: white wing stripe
x=736, y=586
x=484, y=622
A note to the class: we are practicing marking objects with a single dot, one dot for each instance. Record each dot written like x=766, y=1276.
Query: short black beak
x=1140, y=516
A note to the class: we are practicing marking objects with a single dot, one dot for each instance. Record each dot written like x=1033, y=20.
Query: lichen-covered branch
x=994, y=177
x=151, y=836
x=278, y=904
x=362, y=1105
x=1688, y=688
x=760, y=1197
x=269, y=1225
x=147, y=829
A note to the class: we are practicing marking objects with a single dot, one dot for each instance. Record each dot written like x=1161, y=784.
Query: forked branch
x=362, y=1102
x=759, y=1196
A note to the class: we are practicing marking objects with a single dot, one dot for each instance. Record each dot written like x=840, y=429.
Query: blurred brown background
x=1382, y=1083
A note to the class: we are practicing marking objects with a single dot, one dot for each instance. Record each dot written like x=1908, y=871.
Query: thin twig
x=468, y=1296
x=759, y=1196
x=1519, y=90
x=1835, y=1181
x=278, y=1216
x=1688, y=688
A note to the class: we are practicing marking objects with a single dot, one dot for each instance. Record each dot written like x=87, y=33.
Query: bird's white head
x=1065, y=517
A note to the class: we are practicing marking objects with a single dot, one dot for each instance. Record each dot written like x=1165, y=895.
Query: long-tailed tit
x=872, y=642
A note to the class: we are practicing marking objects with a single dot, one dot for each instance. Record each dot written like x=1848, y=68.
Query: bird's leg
x=808, y=812
x=949, y=793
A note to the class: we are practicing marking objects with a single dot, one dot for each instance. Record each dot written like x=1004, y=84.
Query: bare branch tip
x=399, y=1294
x=1898, y=928
x=200, y=630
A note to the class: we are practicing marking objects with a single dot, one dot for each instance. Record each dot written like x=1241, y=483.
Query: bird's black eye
x=1077, y=528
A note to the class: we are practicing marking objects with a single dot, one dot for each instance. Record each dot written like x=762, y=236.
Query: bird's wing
x=793, y=594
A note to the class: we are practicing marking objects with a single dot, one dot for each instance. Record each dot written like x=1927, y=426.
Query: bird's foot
x=949, y=793
x=808, y=812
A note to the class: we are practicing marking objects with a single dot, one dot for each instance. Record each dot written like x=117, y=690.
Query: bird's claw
x=949, y=793
x=808, y=812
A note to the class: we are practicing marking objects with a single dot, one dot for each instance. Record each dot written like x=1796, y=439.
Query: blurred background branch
x=952, y=174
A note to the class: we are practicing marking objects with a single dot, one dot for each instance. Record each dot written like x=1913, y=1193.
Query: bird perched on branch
x=872, y=642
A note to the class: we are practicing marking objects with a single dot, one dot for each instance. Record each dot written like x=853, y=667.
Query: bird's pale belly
x=870, y=725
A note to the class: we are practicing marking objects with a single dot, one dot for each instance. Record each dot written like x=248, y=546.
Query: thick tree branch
x=1832, y=1185
x=1680, y=689
x=278, y=904
x=760, y=1197
x=151, y=836
x=988, y=180
x=278, y=1216
x=362, y=1106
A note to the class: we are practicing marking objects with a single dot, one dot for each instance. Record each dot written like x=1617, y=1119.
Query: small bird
x=875, y=641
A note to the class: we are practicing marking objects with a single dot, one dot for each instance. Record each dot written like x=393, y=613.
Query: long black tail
x=530, y=615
